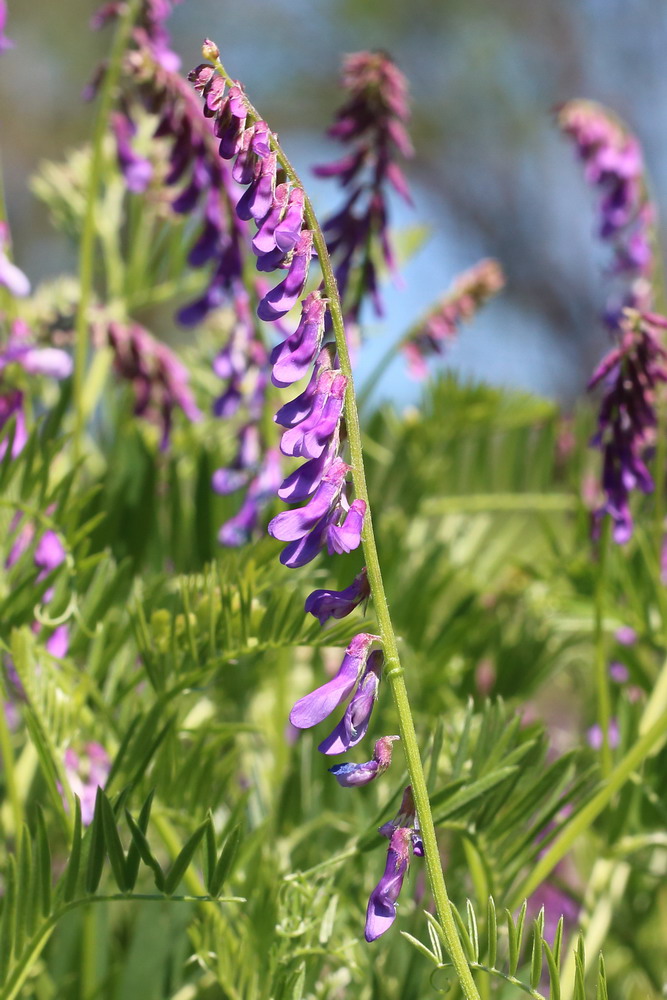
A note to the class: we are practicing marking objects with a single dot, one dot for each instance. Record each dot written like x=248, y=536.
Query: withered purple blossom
x=354, y=775
x=613, y=163
x=629, y=375
x=372, y=121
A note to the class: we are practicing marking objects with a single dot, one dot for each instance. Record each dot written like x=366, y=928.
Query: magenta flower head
x=353, y=775
x=613, y=165
x=352, y=727
x=373, y=123
x=313, y=708
x=326, y=604
x=627, y=420
x=440, y=327
x=381, y=911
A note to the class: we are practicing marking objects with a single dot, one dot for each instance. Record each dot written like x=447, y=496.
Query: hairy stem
x=87, y=247
x=393, y=668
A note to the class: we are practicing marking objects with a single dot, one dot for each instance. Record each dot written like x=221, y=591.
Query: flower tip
x=210, y=50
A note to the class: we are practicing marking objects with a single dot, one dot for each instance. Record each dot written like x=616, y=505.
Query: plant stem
x=601, y=679
x=87, y=248
x=393, y=670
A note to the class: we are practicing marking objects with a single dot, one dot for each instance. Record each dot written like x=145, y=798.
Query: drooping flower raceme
x=614, y=165
x=629, y=375
x=439, y=328
x=159, y=380
x=372, y=122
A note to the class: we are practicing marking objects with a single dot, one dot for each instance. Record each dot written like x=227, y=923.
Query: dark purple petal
x=310, y=438
x=264, y=240
x=326, y=604
x=293, y=357
x=287, y=231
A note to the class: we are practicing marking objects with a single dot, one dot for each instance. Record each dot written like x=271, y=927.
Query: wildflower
x=313, y=708
x=406, y=817
x=613, y=163
x=86, y=771
x=326, y=604
x=353, y=726
x=594, y=735
x=11, y=278
x=625, y=635
x=618, y=672
x=353, y=775
x=158, y=379
x=136, y=170
x=381, y=911
x=373, y=121
x=470, y=291
x=5, y=43
x=629, y=374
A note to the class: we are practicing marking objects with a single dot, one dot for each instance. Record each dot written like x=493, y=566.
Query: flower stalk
x=87, y=246
x=393, y=669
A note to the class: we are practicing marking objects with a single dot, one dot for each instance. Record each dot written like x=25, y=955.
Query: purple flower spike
x=352, y=727
x=293, y=357
x=347, y=536
x=326, y=604
x=316, y=706
x=285, y=295
x=293, y=524
x=381, y=911
x=353, y=775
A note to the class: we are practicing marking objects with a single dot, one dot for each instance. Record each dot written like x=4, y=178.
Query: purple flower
x=11, y=278
x=625, y=636
x=613, y=164
x=627, y=418
x=58, y=642
x=158, y=379
x=594, y=735
x=618, y=672
x=470, y=291
x=406, y=817
x=5, y=43
x=326, y=604
x=381, y=911
x=136, y=170
x=353, y=726
x=292, y=358
x=373, y=121
x=309, y=437
x=86, y=771
x=353, y=775
x=313, y=708
x=346, y=537
x=284, y=296
x=293, y=524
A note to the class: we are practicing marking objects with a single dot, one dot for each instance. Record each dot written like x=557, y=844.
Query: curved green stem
x=393, y=668
x=601, y=679
x=87, y=247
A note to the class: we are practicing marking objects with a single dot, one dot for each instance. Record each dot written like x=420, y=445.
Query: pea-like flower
x=353, y=775
x=381, y=911
x=313, y=708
